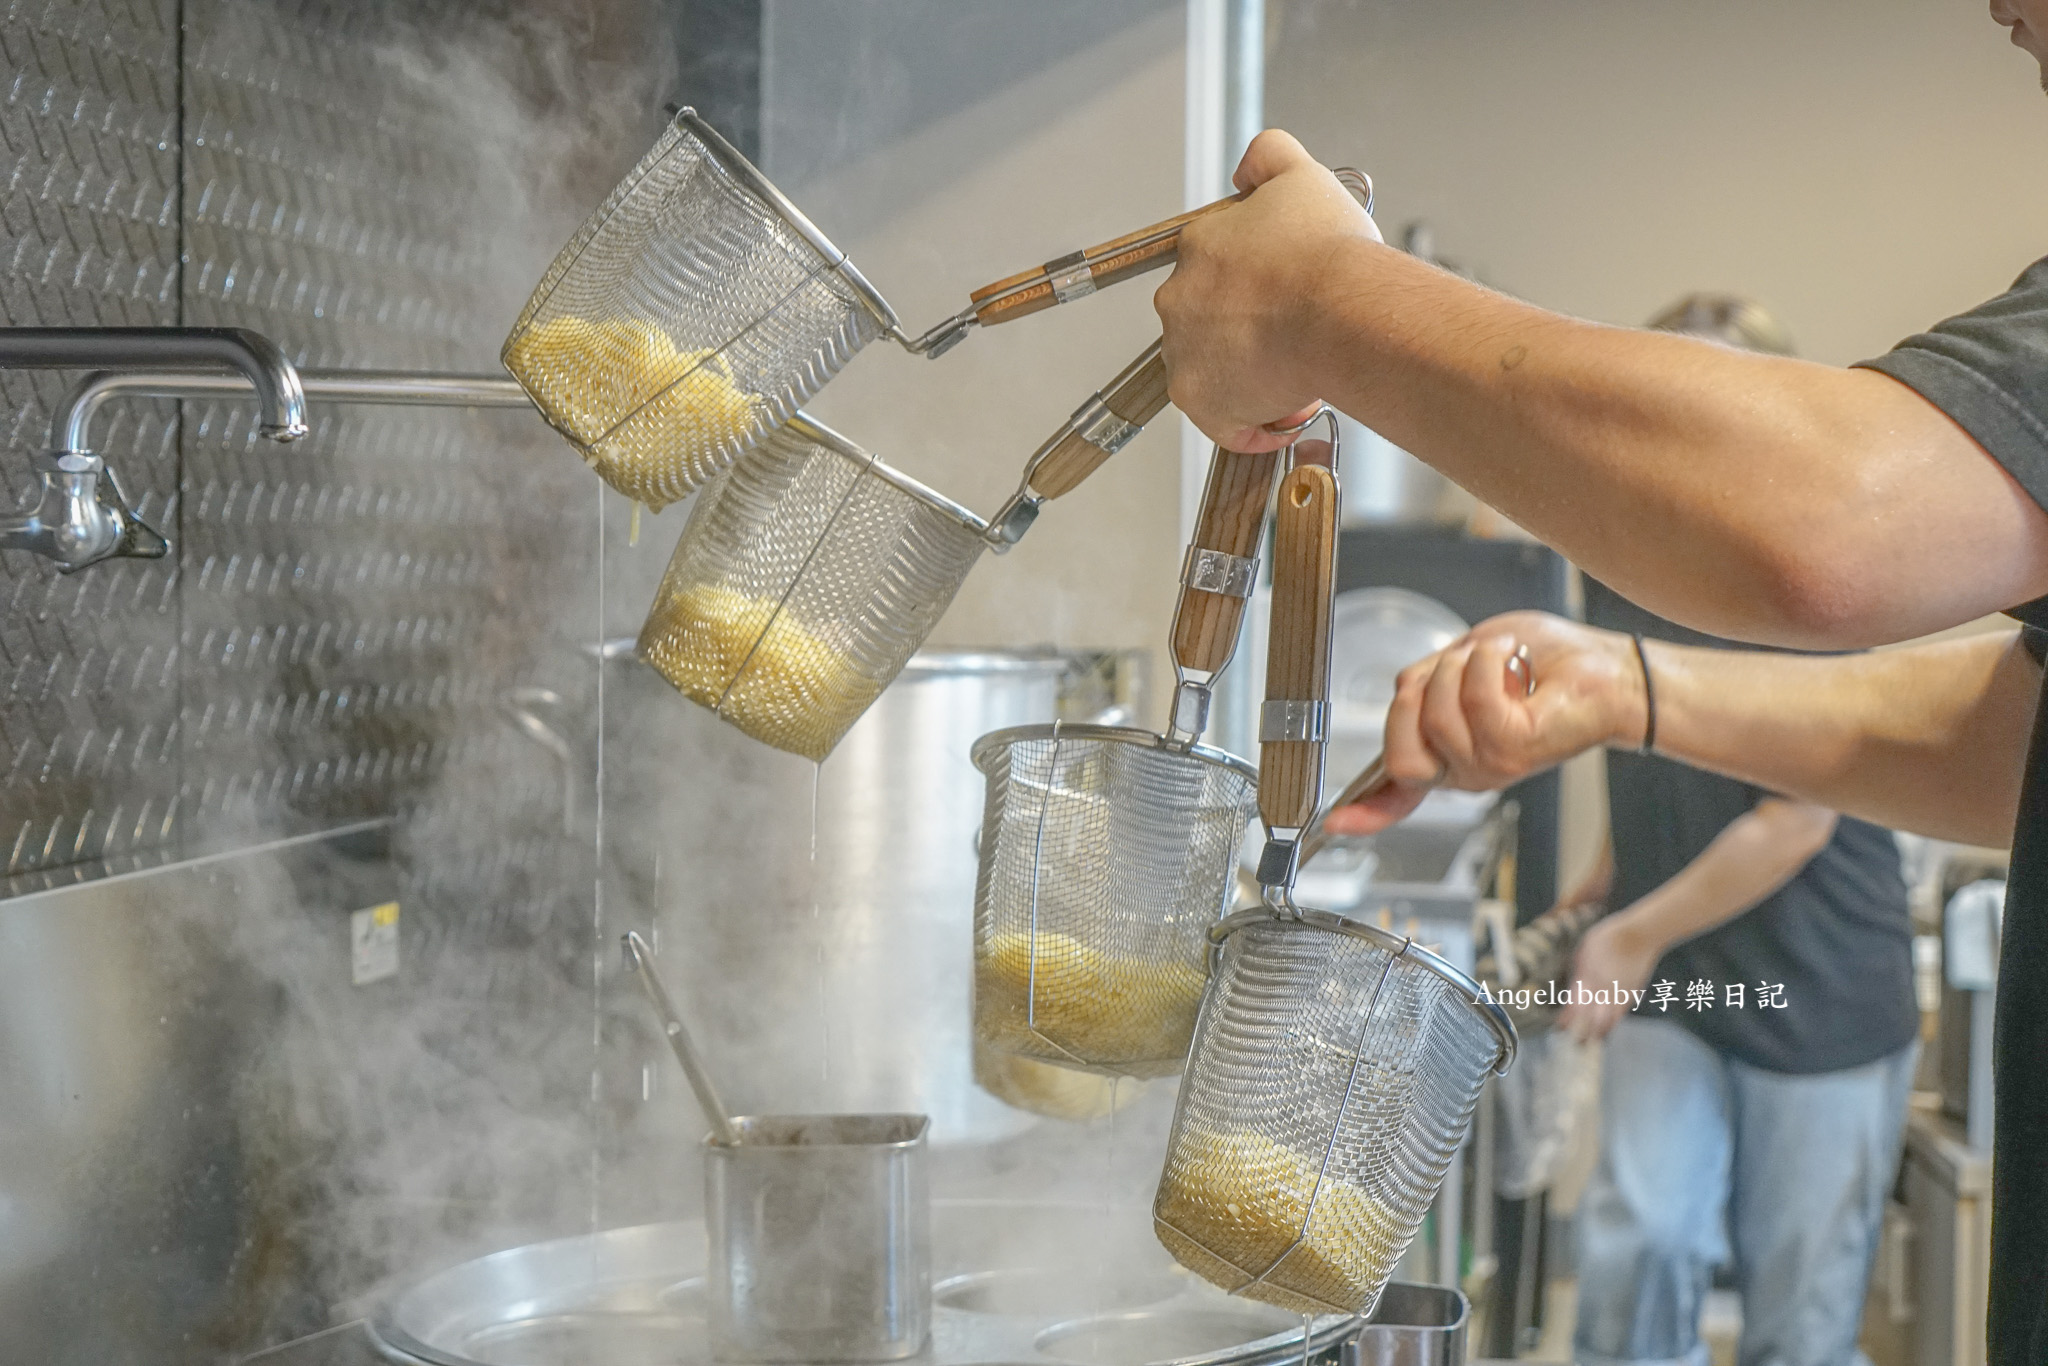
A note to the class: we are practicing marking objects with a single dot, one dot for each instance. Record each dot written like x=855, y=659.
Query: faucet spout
x=280, y=395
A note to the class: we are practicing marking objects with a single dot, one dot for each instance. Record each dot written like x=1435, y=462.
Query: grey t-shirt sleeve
x=1988, y=369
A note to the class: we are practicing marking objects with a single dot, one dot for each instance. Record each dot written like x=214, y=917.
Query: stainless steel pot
x=832, y=972
x=1031, y=1284
x=820, y=1239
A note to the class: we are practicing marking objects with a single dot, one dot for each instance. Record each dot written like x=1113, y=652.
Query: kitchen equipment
x=1335, y=1066
x=1080, y=273
x=1096, y=430
x=641, y=959
x=698, y=309
x=820, y=1239
x=809, y=572
x=889, y=863
x=819, y=1226
x=1106, y=852
x=1414, y=1325
x=1936, y=1262
x=1106, y=855
x=1034, y=1284
x=1048, y=1089
x=1972, y=920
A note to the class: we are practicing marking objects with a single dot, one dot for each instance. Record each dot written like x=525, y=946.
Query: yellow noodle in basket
x=1044, y=1088
x=1231, y=1203
x=645, y=414
x=1112, y=1013
x=758, y=667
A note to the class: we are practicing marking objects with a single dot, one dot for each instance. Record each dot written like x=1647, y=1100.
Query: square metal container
x=820, y=1239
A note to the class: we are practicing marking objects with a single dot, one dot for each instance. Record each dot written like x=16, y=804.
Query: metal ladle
x=640, y=958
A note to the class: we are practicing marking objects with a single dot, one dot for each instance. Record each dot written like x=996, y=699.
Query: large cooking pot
x=831, y=971
x=1031, y=1284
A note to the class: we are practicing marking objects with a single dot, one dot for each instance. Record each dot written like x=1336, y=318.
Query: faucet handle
x=82, y=517
x=138, y=539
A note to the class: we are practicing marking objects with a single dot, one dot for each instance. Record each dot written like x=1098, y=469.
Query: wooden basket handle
x=1130, y=401
x=1298, y=648
x=1230, y=524
x=1084, y=272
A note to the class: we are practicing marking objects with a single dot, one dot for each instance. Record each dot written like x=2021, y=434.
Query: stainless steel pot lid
x=1013, y=1285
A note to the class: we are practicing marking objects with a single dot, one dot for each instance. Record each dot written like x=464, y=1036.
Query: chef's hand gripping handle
x=1292, y=722
x=1083, y=272
x=1219, y=573
x=1098, y=429
x=1374, y=776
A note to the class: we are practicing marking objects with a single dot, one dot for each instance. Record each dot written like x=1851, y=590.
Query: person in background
x=1751, y=1107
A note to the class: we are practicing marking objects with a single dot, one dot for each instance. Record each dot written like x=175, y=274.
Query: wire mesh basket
x=806, y=577
x=1107, y=856
x=1335, y=1067
x=693, y=313
x=1333, y=1075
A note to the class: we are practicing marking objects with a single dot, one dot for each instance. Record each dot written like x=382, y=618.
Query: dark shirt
x=1836, y=941
x=1988, y=370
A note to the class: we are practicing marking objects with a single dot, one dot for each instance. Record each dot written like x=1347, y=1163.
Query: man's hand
x=1247, y=278
x=1615, y=950
x=1461, y=718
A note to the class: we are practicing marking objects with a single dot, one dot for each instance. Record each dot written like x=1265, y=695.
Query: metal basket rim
x=818, y=434
x=1329, y=922
x=764, y=189
x=984, y=749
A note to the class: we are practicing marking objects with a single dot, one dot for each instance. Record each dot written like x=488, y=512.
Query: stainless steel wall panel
x=88, y=235
x=253, y=1139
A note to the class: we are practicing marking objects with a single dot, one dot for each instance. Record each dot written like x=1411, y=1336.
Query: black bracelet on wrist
x=1649, y=745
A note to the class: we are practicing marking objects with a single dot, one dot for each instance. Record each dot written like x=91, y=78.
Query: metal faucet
x=82, y=517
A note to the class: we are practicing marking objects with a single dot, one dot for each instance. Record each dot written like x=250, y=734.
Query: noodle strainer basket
x=810, y=571
x=698, y=308
x=1107, y=854
x=1335, y=1067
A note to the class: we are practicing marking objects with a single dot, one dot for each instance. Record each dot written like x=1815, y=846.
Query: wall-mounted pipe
x=255, y=356
x=82, y=516
x=70, y=424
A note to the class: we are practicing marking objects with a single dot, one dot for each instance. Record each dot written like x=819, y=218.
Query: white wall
x=946, y=144
x=1863, y=167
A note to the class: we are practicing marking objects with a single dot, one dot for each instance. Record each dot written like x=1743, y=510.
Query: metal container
x=1106, y=859
x=1415, y=1325
x=820, y=1239
x=807, y=576
x=1336, y=1066
x=1020, y=1282
x=872, y=1012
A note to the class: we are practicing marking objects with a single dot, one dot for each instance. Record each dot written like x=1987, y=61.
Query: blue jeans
x=1698, y=1151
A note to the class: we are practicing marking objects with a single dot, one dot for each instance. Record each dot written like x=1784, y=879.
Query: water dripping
x=1308, y=1324
x=818, y=936
x=1109, y=1201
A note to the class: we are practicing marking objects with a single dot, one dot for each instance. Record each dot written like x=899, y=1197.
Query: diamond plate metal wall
x=356, y=606
x=344, y=616
x=89, y=231
x=342, y=632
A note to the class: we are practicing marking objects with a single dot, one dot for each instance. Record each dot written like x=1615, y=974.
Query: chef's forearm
x=1752, y=496
x=1928, y=738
